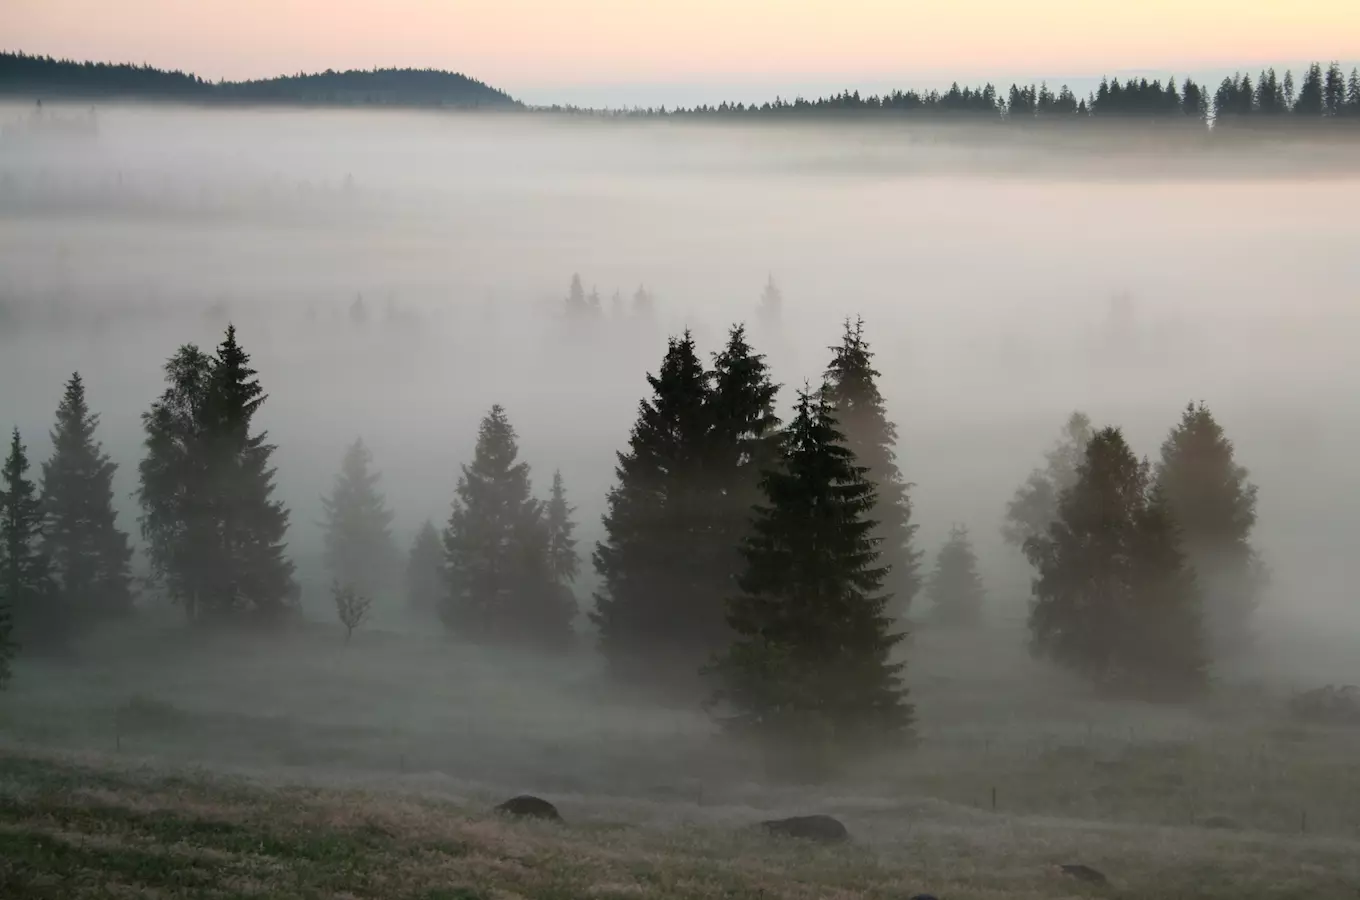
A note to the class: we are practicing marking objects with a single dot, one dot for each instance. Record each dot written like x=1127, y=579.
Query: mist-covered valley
x=395, y=274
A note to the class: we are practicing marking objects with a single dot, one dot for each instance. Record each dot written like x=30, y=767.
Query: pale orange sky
x=519, y=44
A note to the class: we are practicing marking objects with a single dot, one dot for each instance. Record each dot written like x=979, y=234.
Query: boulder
x=529, y=807
x=823, y=829
x=1082, y=873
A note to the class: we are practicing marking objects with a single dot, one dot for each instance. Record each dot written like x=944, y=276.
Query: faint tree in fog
x=658, y=595
x=90, y=556
x=497, y=548
x=852, y=390
x=8, y=649
x=358, y=312
x=427, y=581
x=1114, y=598
x=771, y=308
x=358, y=537
x=644, y=304
x=1035, y=504
x=214, y=532
x=351, y=606
x=809, y=673
x=564, y=560
x=25, y=572
x=1215, y=508
x=955, y=587
x=1353, y=94
x=576, y=306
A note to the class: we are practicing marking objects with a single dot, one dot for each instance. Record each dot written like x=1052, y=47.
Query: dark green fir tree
x=564, y=559
x=497, y=548
x=91, y=557
x=810, y=675
x=852, y=390
x=215, y=534
x=25, y=573
x=657, y=603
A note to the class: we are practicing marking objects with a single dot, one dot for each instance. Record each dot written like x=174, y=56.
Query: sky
x=624, y=51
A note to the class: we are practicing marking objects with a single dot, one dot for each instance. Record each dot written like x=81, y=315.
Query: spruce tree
x=655, y=603
x=852, y=390
x=358, y=539
x=497, y=548
x=214, y=532
x=1214, y=506
x=809, y=673
x=1114, y=598
x=427, y=582
x=90, y=556
x=25, y=579
x=1035, y=504
x=955, y=587
x=259, y=577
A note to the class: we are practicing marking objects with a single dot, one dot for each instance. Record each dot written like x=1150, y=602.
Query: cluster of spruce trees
x=1324, y=94
x=1144, y=574
x=763, y=566
x=64, y=564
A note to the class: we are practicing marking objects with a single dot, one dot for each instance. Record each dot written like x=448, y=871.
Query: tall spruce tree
x=955, y=587
x=25, y=579
x=1114, y=598
x=852, y=390
x=809, y=674
x=1214, y=506
x=90, y=556
x=1035, y=504
x=427, y=583
x=358, y=538
x=497, y=548
x=214, y=532
x=658, y=601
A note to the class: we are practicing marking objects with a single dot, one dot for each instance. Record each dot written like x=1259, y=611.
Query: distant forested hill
x=45, y=78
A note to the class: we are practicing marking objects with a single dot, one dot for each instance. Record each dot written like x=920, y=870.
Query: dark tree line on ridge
x=765, y=568
x=43, y=77
x=1321, y=94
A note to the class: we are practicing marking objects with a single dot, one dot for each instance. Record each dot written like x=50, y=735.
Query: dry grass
x=89, y=827
x=298, y=768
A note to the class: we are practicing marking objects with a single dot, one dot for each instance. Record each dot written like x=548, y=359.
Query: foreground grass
x=87, y=827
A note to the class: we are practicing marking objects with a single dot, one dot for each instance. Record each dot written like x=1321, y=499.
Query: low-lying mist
x=395, y=274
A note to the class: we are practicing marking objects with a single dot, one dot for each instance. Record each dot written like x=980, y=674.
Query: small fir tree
x=770, y=312
x=852, y=390
x=358, y=537
x=497, y=547
x=90, y=556
x=955, y=587
x=809, y=674
x=564, y=560
x=1114, y=598
x=26, y=580
x=427, y=582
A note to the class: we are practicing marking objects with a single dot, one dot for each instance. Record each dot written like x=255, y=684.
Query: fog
x=1005, y=281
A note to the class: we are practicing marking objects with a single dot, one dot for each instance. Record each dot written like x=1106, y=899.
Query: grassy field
x=170, y=764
